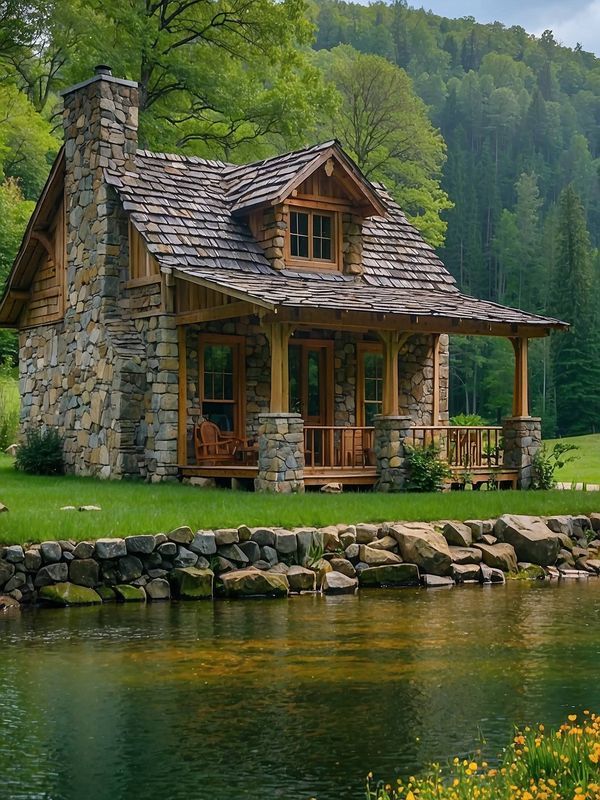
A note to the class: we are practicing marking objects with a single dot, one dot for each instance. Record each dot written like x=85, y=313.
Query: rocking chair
x=212, y=447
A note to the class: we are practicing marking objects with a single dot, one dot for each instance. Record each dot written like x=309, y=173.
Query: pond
x=289, y=699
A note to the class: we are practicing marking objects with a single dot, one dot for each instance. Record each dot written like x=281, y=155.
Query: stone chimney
x=100, y=124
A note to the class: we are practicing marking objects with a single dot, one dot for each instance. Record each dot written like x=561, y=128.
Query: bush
x=468, y=421
x=42, y=453
x=546, y=462
x=9, y=408
x=426, y=470
x=561, y=764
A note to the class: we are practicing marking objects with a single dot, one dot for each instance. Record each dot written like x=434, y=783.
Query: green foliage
x=468, y=420
x=9, y=408
x=41, y=453
x=547, y=461
x=382, y=123
x=426, y=470
x=556, y=764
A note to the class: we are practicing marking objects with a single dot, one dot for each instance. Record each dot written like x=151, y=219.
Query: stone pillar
x=280, y=453
x=522, y=438
x=390, y=434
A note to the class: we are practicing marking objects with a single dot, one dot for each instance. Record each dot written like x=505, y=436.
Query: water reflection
x=282, y=699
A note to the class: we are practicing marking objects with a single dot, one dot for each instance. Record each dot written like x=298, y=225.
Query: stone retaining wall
x=238, y=562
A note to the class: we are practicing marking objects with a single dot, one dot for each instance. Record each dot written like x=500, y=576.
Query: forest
x=487, y=136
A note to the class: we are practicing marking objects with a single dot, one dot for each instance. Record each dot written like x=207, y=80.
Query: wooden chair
x=211, y=447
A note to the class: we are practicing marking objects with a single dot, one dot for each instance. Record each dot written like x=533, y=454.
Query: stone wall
x=522, y=437
x=388, y=443
x=280, y=453
x=243, y=561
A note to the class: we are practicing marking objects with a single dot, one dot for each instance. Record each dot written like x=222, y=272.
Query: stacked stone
x=271, y=236
x=388, y=443
x=274, y=561
x=415, y=373
x=352, y=244
x=522, y=437
x=280, y=453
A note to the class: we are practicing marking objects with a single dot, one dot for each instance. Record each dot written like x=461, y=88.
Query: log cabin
x=279, y=323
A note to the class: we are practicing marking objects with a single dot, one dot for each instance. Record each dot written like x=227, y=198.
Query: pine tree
x=575, y=355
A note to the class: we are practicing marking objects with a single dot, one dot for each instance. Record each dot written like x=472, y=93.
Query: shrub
x=9, y=408
x=426, y=470
x=561, y=764
x=468, y=420
x=546, y=462
x=41, y=453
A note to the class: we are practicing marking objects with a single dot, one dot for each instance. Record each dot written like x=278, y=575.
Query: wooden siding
x=143, y=267
x=47, y=294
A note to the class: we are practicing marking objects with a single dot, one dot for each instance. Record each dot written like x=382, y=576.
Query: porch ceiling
x=340, y=300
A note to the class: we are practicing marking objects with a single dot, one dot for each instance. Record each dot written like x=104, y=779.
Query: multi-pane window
x=220, y=383
x=372, y=376
x=312, y=236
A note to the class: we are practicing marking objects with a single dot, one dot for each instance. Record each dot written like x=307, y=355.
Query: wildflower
x=572, y=717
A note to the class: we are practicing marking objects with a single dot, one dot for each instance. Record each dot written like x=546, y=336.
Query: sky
x=571, y=20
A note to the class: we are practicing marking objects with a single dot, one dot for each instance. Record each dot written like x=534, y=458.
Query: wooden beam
x=18, y=295
x=182, y=397
x=392, y=342
x=225, y=311
x=40, y=236
x=435, y=409
x=278, y=335
x=338, y=319
x=521, y=388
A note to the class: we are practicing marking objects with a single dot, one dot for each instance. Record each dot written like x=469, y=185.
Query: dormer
x=306, y=209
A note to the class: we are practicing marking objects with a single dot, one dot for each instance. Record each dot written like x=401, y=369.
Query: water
x=283, y=699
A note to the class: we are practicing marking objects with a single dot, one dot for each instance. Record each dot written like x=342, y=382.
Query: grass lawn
x=586, y=468
x=129, y=507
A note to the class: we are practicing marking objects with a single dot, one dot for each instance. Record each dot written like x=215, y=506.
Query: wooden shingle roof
x=189, y=211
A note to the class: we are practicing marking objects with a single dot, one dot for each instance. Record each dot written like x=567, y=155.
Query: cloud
x=582, y=25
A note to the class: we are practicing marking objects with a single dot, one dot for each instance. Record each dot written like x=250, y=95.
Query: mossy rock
x=390, y=575
x=531, y=572
x=107, y=593
x=129, y=594
x=254, y=583
x=191, y=583
x=68, y=594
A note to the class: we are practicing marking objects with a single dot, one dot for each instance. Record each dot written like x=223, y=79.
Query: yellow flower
x=473, y=766
x=572, y=717
x=410, y=796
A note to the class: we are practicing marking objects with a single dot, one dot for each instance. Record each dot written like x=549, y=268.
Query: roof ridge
x=265, y=161
x=209, y=162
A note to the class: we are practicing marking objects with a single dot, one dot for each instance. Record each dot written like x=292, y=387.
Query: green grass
x=9, y=408
x=586, y=468
x=129, y=507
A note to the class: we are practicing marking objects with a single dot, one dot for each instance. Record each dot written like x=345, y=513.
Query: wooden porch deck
x=362, y=476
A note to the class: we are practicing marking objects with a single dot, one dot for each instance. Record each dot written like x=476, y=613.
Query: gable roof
x=189, y=212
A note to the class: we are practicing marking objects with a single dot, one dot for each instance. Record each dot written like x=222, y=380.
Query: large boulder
x=466, y=572
x=13, y=554
x=181, y=535
x=158, y=589
x=458, y=533
x=204, y=543
x=140, y=544
x=68, y=594
x=377, y=558
x=52, y=573
x=436, y=582
x=6, y=571
x=385, y=543
x=391, y=575
x=499, y=556
x=301, y=579
x=51, y=552
x=125, y=593
x=344, y=566
x=191, y=583
x=254, y=583
x=420, y=544
x=465, y=555
x=107, y=548
x=84, y=572
x=338, y=583
x=532, y=539
x=320, y=568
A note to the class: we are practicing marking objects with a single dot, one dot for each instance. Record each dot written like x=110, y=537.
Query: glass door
x=311, y=395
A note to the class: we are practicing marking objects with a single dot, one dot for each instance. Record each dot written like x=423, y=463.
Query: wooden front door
x=311, y=392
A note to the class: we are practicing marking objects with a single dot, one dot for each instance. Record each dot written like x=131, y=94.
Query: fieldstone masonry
x=522, y=440
x=388, y=443
x=280, y=453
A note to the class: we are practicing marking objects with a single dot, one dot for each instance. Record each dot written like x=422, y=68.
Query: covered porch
x=304, y=396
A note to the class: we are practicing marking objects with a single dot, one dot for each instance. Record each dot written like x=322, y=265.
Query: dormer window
x=313, y=239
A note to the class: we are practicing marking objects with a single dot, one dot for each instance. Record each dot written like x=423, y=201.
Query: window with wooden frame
x=369, y=401
x=143, y=267
x=313, y=240
x=221, y=382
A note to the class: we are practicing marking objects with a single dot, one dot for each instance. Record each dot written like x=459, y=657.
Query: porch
x=315, y=396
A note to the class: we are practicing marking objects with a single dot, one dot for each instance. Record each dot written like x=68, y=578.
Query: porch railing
x=338, y=447
x=466, y=447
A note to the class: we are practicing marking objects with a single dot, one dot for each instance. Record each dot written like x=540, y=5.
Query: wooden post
x=392, y=342
x=435, y=408
x=521, y=388
x=182, y=397
x=278, y=334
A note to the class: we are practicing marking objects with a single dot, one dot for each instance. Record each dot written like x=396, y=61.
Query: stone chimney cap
x=102, y=72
